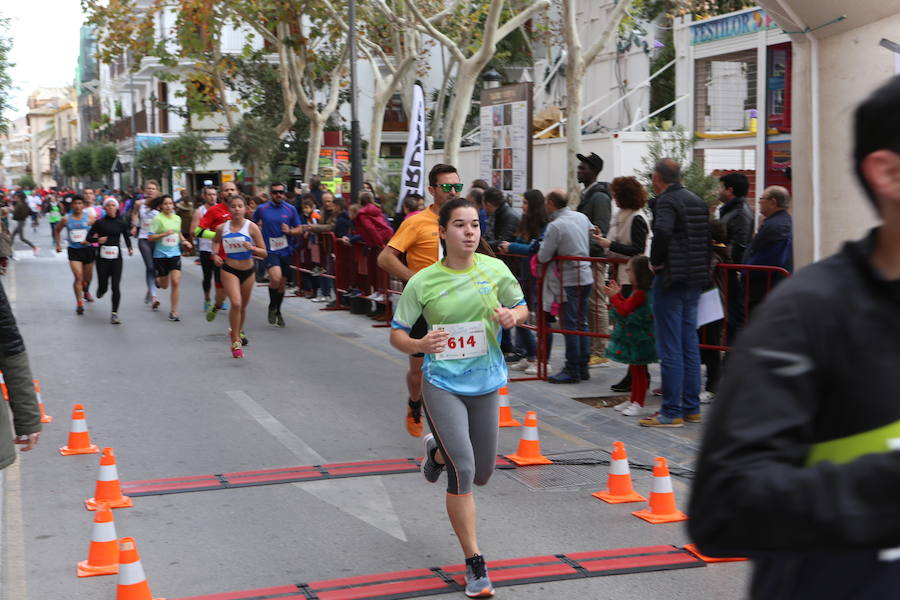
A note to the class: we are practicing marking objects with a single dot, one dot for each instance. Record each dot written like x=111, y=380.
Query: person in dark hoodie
x=799, y=468
x=773, y=244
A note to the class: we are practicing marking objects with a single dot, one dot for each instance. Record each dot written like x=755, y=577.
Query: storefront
x=737, y=70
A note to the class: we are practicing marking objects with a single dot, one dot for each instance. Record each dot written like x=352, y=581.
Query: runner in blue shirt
x=277, y=220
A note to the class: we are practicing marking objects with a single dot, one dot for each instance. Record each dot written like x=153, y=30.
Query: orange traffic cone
x=662, y=498
x=108, y=490
x=618, y=482
x=103, y=554
x=45, y=418
x=529, y=452
x=506, y=417
x=132, y=581
x=79, y=438
x=3, y=386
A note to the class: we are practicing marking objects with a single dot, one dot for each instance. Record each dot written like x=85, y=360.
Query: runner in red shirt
x=214, y=217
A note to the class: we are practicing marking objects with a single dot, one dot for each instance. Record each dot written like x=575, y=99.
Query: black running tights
x=109, y=270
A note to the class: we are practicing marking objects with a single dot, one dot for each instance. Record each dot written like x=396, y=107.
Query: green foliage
x=82, y=160
x=678, y=145
x=154, y=162
x=253, y=142
x=26, y=181
x=189, y=149
x=67, y=163
x=102, y=158
x=662, y=88
x=6, y=83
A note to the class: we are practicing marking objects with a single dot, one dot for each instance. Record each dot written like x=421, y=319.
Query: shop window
x=725, y=94
x=778, y=88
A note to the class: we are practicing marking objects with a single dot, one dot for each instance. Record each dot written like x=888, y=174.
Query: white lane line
x=289, y=439
x=13, y=575
x=367, y=498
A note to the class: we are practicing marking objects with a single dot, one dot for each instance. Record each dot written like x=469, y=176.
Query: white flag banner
x=412, y=179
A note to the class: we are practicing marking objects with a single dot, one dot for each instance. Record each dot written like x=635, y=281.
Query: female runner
x=106, y=232
x=467, y=298
x=166, y=235
x=142, y=215
x=240, y=240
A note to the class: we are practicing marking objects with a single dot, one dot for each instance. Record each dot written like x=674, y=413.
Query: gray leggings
x=465, y=429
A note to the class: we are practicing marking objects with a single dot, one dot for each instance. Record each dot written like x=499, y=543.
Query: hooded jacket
x=372, y=226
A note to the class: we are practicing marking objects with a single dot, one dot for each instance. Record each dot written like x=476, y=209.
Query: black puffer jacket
x=680, y=249
x=10, y=339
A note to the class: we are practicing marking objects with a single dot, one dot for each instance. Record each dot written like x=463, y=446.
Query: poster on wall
x=506, y=140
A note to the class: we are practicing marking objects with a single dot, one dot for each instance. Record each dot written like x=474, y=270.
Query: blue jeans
x=575, y=317
x=675, y=312
x=526, y=342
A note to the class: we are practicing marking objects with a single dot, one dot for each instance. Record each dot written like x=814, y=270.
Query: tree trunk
x=574, y=103
x=316, y=128
x=459, y=110
x=379, y=104
x=437, y=116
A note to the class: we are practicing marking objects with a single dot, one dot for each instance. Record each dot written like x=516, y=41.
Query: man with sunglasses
x=418, y=240
x=277, y=220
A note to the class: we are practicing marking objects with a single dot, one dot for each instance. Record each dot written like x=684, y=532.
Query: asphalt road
x=172, y=402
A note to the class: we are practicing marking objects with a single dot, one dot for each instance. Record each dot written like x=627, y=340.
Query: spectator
x=597, y=206
x=480, y=184
x=503, y=222
x=680, y=257
x=799, y=468
x=632, y=341
x=476, y=196
x=773, y=243
x=527, y=242
x=23, y=404
x=315, y=188
x=568, y=284
x=627, y=237
x=711, y=333
x=737, y=218
x=370, y=222
x=409, y=208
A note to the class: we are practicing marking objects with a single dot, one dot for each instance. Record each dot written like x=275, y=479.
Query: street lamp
x=491, y=79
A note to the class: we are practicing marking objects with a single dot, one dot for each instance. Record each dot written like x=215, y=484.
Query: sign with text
x=506, y=139
x=412, y=177
x=730, y=26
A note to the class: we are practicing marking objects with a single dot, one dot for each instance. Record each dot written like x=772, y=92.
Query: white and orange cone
x=103, y=554
x=529, y=451
x=506, y=416
x=3, y=387
x=618, y=481
x=132, y=583
x=45, y=418
x=662, y=507
x=79, y=437
x=108, y=489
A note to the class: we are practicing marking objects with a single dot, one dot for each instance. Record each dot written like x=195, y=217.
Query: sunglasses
x=280, y=192
x=446, y=187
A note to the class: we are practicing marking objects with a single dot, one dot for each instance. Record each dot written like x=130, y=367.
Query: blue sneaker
x=224, y=305
x=206, y=306
x=431, y=469
x=478, y=584
x=564, y=377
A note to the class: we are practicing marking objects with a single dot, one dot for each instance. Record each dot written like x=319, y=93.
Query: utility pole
x=356, y=170
x=133, y=133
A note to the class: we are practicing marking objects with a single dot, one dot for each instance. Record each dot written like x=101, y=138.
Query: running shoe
x=155, y=305
x=273, y=313
x=478, y=584
x=206, y=305
x=245, y=341
x=114, y=319
x=211, y=313
x=414, y=418
x=36, y=250
x=147, y=297
x=87, y=296
x=224, y=305
x=174, y=317
x=279, y=320
x=236, y=351
x=431, y=469
x=79, y=309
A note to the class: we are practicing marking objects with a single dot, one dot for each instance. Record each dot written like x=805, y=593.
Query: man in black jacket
x=26, y=414
x=679, y=256
x=800, y=468
x=736, y=216
x=503, y=222
x=773, y=244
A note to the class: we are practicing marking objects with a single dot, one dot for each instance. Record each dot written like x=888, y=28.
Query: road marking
x=366, y=499
x=14, y=586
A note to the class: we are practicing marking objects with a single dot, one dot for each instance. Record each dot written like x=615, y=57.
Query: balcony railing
x=121, y=129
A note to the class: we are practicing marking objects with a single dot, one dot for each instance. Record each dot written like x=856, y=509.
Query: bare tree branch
x=612, y=25
x=520, y=19
x=440, y=37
